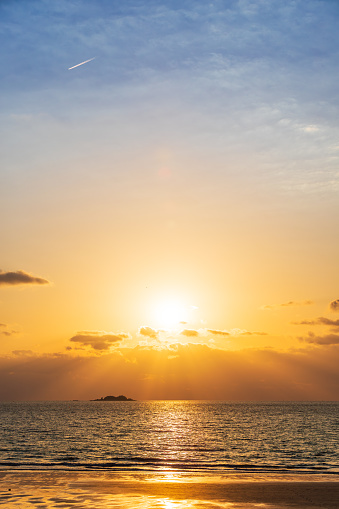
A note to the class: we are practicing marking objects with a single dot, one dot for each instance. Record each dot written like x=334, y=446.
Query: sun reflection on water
x=167, y=476
x=170, y=504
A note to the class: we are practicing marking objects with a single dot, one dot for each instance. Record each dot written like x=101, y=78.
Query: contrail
x=82, y=63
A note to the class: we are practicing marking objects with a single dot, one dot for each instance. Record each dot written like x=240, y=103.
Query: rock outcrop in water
x=114, y=398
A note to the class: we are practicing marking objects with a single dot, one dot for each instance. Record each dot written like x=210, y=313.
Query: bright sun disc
x=169, y=313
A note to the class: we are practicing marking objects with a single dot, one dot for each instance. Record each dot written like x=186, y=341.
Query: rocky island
x=114, y=398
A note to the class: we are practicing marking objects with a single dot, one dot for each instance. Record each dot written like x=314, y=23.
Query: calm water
x=175, y=435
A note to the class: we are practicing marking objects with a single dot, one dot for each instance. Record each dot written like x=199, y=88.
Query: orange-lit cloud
x=219, y=332
x=255, y=333
x=98, y=340
x=22, y=353
x=190, y=333
x=191, y=371
x=236, y=332
x=149, y=332
x=20, y=277
x=291, y=303
x=6, y=330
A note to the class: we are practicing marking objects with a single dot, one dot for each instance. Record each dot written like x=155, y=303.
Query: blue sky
x=243, y=41
x=237, y=73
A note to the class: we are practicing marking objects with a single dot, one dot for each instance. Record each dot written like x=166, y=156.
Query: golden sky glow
x=170, y=208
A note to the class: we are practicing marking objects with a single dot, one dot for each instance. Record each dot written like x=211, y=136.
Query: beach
x=166, y=490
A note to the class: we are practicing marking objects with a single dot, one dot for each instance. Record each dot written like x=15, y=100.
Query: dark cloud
x=319, y=321
x=290, y=303
x=21, y=278
x=334, y=305
x=329, y=339
x=219, y=332
x=190, y=333
x=98, y=340
x=326, y=321
x=149, y=332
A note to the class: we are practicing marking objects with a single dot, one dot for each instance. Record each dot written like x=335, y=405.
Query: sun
x=169, y=313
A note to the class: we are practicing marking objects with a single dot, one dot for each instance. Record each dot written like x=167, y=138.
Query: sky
x=169, y=208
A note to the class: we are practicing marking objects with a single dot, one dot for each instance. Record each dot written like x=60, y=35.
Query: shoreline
x=167, y=490
x=221, y=474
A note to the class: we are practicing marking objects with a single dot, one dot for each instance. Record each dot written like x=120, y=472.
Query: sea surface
x=188, y=436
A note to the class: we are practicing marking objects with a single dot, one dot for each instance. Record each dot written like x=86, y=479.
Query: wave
x=156, y=464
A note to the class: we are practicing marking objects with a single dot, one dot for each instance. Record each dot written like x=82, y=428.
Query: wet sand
x=166, y=490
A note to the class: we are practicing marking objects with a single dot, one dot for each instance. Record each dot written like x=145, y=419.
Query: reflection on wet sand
x=48, y=500
x=166, y=490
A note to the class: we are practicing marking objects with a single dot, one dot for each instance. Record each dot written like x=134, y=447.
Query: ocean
x=192, y=436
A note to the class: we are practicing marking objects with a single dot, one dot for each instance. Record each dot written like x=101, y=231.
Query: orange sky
x=170, y=208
